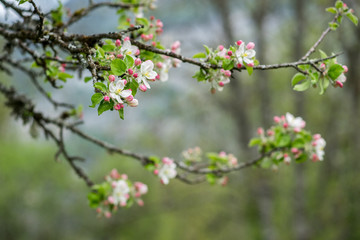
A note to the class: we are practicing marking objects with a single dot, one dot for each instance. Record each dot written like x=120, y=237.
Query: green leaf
x=254, y=142
x=228, y=64
x=108, y=48
x=134, y=87
x=101, y=51
x=121, y=113
x=352, y=18
x=104, y=106
x=211, y=178
x=298, y=143
x=199, y=75
x=266, y=163
x=142, y=21
x=333, y=26
x=207, y=49
x=340, y=19
x=96, y=99
x=129, y=61
x=339, y=4
x=63, y=76
x=297, y=78
x=303, y=86
x=118, y=67
x=322, y=54
x=100, y=86
x=200, y=55
x=22, y=1
x=249, y=69
x=335, y=71
x=331, y=10
x=86, y=79
x=302, y=158
x=283, y=141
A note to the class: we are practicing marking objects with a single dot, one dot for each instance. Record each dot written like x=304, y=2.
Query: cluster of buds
x=340, y=80
x=192, y=155
x=118, y=191
x=229, y=160
x=167, y=63
x=166, y=170
x=288, y=140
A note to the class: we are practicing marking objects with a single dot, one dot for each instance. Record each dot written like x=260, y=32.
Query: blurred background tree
x=43, y=199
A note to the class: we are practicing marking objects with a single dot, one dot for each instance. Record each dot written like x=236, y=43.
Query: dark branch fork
x=32, y=33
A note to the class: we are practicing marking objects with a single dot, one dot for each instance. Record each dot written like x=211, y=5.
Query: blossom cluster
x=288, y=140
x=117, y=191
x=240, y=55
x=166, y=170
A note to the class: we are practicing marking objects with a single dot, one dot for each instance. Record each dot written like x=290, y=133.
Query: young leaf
x=302, y=86
x=339, y=4
x=86, y=79
x=352, y=18
x=200, y=55
x=297, y=78
x=249, y=69
x=100, y=86
x=207, y=49
x=254, y=141
x=322, y=54
x=331, y=10
x=118, y=67
x=96, y=99
x=335, y=71
x=104, y=106
x=121, y=113
x=129, y=61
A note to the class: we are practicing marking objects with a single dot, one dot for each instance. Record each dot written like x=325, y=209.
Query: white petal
x=247, y=60
x=125, y=93
x=147, y=85
x=112, y=87
x=250, y=53
x=152, y=75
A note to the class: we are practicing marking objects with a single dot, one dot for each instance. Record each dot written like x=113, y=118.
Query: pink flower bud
x=315, y=158
x=345, y=5
x=260, y=131
x=322, y=66
x=113, y=184
x=125, y=82
x=118, y=43
x=346, y=69
x=152, y=18
x=128, y=19
x=159, y=65
x=297, y=130
x=227, y=57
x=127, y=39
x=98, y=210
x=123, y=204
x=124, y=176
x=314, y=144
x=285, y=125
x=137, y=194
x=250, y=45
x=239, y=65
x=230, y=53
x=159, y=31
x=111, y=199
x=114, y=174
x=227, y=73
x=157, y=77
x=221, y=84
x=143, y=36
x=220, y=47
x=137, y=52
x=167, y=161
x=119, y=56
x=222, y=71
x=117, y=107
x=339, y=84
x=294, y=150
x=222, y=154
x=159, y=24
x=153, y=44
x=150, y=36
x=317, y=136
x=135, y=75
x=142, y=88
x=175, y=45
x=132, y=25
x=251, y=64
x=239, y=42
x=137, y=61
x=140, y=202
x=107, y=214
x=112, y=78
x=130, y=71
x=224, y=181
x=130, y=98
x=106, y=98
x=156, y=171
x=277, y=119
x=270, y=132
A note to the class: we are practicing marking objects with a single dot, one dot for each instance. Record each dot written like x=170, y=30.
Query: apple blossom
x=117, y=91
x=128, y=49
x=167, y=171
x=245, y=56
x=146, y=73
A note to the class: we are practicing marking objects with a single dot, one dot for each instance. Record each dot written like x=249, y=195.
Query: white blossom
x=117, y=90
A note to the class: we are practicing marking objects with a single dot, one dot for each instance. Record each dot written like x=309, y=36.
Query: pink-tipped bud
x=227, y=73
x=167, y=161
x=227, y=57
x=260, y=131
x=221, y=84
x=117, y=107
x=130, y=98
x=114, y=174
x=111, y=199
x=137, y=61
x=238, y=65
x=250, y=45
x=134, y=103
x=142, y=88
x=123, y=204
x=126, y=39
x=140, y=202
x=143, y=36
x=124, y=176
x=125, y=81
x=285, y=125
x=229, y=53
x=294, y=150
x=150, y=36
x=118, y=43
x=221, y=47
x=113, y=184
x=316, y=136
x=130, y=71
x=277, y=119
x=159, y=23
x=270, y=132
x=128, y=19
x=153, y=44
x=156, y=171
x=239, y=42
x=222, y=154
x=159, y=65
x=137, y=52
x=175, y=45
x=159, y=31
x=222, y=71
x=345, y=5
x=132, y=25
x=152, y=18
x=314, y=143
x=119, y=56
x=135, y=75
x=107, y=214
x=315, y=158
x=224, y=181
x=251, y=64
x=98, y=210
x=157, y=77
x=339, y=84
x=112, y=78
x=137, y=194
x=346, y=69
x=322, y=66
x=106, y=98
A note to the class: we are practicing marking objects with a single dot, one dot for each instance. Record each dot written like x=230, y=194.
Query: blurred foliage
x=43, y=199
